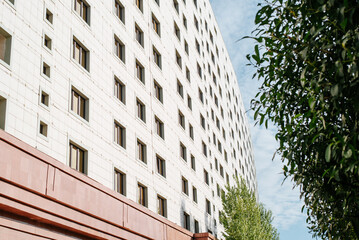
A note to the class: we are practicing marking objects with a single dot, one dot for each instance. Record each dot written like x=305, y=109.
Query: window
x=49, y=16
x=186, y=49
x=78, y=159
x=181, y=119
x=206, y=176
x=199, y=70
x=204, y=148
x=218, y=191
x=83, y=9
x=179, y=88
x=194, y=194
x=176, y=6
x=159, y=128
x=198, y=47
x=158, y=91
x=120, y=182
x=120, y=49
x=203, y=121
x=157, y=57
x=221, y=170
x=193, y=162
x=196, y=226
x=46, y=70
x=200, y=95
x=47, y=42
x=188, y=74
x=44, y=98
x=120, y=10
x=178, y=59
x=189, y=101
x=140, y=72
x=161, y=166
x=186, y=221
x=139, y=35
x=184, y=186
x=2, y=112
x=191, y=134
x=208, y=206
x=156, y=25
x=177, y=31
x=141, y=151
x=139, y=4
x=80, y=54
x=120, y=134
x=141, y=110
x=43, y=129
x=196, y=22
x=184, y=21
x=183, y=151
x=79, y=104
x=161, y=206
x=216, y=164
x=120, y=91
x=158, y=2
x=142, y=194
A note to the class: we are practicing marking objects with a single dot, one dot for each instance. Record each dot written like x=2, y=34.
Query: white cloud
x=236, y=19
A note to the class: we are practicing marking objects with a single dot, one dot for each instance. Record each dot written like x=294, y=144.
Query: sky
x=236, y=19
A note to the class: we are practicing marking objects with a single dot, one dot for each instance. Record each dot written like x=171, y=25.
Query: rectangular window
x=184, y=186
x=206, y=176
x=78, y=159
x=79, y=104
x=221, y=170
x=140, y=72
x=204, y=148
x=188, y=74
x=161, y=206
x=120, y=10
x=120, y=91
x=184, y=21
x=191, y=134
x=156, y=25
x=141, y=151
x=203, y=121
x=49, y=16
x=120, y=182
x=195, y=22
x=186, y=221
x=2, y=112
x=83, y=9
x=208, y=206
x=161, y=166
x=181, y=120
x=200, y=95
x=158, y=91
x=120, y=134
x=47, y=42
x=199, y=70
x=186, y=48
x=159, y=127
x=193, y=162
x=194, y=193
x=157, y=57
x=46, y=70
x=142, y=194
x=43, y=129
x=178, y=59
x=180, y=88
x=176, y=6
x=196, y=226
x=44, y=98
x=183, y=151
x=139, y=4
x=81, y=54
x=120, y=50
x=189, y=101
x=198, y=47
x=139, y=35
x=177, y=31
x=141, y=110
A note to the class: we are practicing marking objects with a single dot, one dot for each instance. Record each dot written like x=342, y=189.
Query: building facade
x=138, y=95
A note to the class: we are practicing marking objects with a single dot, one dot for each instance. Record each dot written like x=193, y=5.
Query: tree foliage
x=307, y=54
x=243, y=218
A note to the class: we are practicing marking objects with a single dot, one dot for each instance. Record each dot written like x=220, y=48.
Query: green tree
x=306, y=54
x=244, y=218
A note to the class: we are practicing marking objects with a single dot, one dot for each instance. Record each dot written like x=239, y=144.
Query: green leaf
x=328, y=152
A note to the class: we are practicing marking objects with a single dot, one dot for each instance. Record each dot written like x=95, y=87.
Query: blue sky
x=236, y=19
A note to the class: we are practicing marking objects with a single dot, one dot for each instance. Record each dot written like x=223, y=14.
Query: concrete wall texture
x=39, y=73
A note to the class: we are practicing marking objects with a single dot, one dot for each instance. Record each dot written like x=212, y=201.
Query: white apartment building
x=139, y=95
